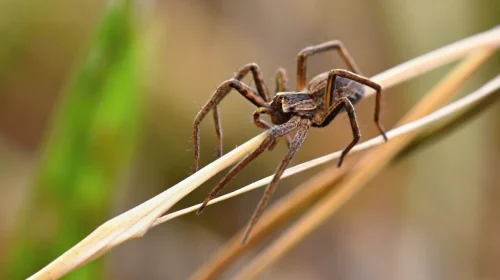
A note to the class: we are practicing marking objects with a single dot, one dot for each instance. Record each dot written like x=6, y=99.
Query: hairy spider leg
x=261, y=90
x=257, y=77
x=218, y=133
x=362, y=80
x=219, y=94
x=239, y=75
x=297, y=142
x=334, y=45
x=335, y=108
x=273, y=133
x=265, y=125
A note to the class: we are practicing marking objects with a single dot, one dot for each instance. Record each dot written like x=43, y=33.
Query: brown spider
x=316, y=105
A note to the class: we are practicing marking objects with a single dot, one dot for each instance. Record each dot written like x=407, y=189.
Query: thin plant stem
x=449, y=124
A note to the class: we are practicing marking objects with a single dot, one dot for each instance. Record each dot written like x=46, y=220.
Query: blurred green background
x=97, y=100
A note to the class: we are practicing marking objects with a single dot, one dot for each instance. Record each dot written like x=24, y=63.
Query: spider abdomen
x=344, y=87
x=354, y=91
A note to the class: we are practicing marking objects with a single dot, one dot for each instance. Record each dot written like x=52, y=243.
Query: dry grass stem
x=459, y=118
x=364, y=170
x=278, y=214
x=135, y=222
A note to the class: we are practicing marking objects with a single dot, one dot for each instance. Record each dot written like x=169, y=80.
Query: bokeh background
x=97, y=100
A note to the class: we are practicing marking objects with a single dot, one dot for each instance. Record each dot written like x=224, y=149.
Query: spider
x=316, y=105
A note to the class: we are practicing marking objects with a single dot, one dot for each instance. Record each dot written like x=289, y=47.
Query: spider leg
x=281, y=80
x=324, y=47
x=218, y=132
x=337, y=106
x=265, y=125
x=219, y=94
x=362, y=80
x=262, y=91
x=274, y=132
x=257, y=77
x=299, y=138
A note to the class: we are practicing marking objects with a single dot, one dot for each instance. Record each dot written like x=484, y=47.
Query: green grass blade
x=92, y=140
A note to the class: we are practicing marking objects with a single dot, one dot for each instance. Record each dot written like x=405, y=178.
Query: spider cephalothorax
x=316, y=104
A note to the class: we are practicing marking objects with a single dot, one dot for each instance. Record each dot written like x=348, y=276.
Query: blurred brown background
x=434, y=215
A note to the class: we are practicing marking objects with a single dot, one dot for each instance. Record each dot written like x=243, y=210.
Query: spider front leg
x=219, y=94
x=330, y=87
x=324, y=47
x=262, y=91
x=257, y=78
x=273, y=133
x=265, y=125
